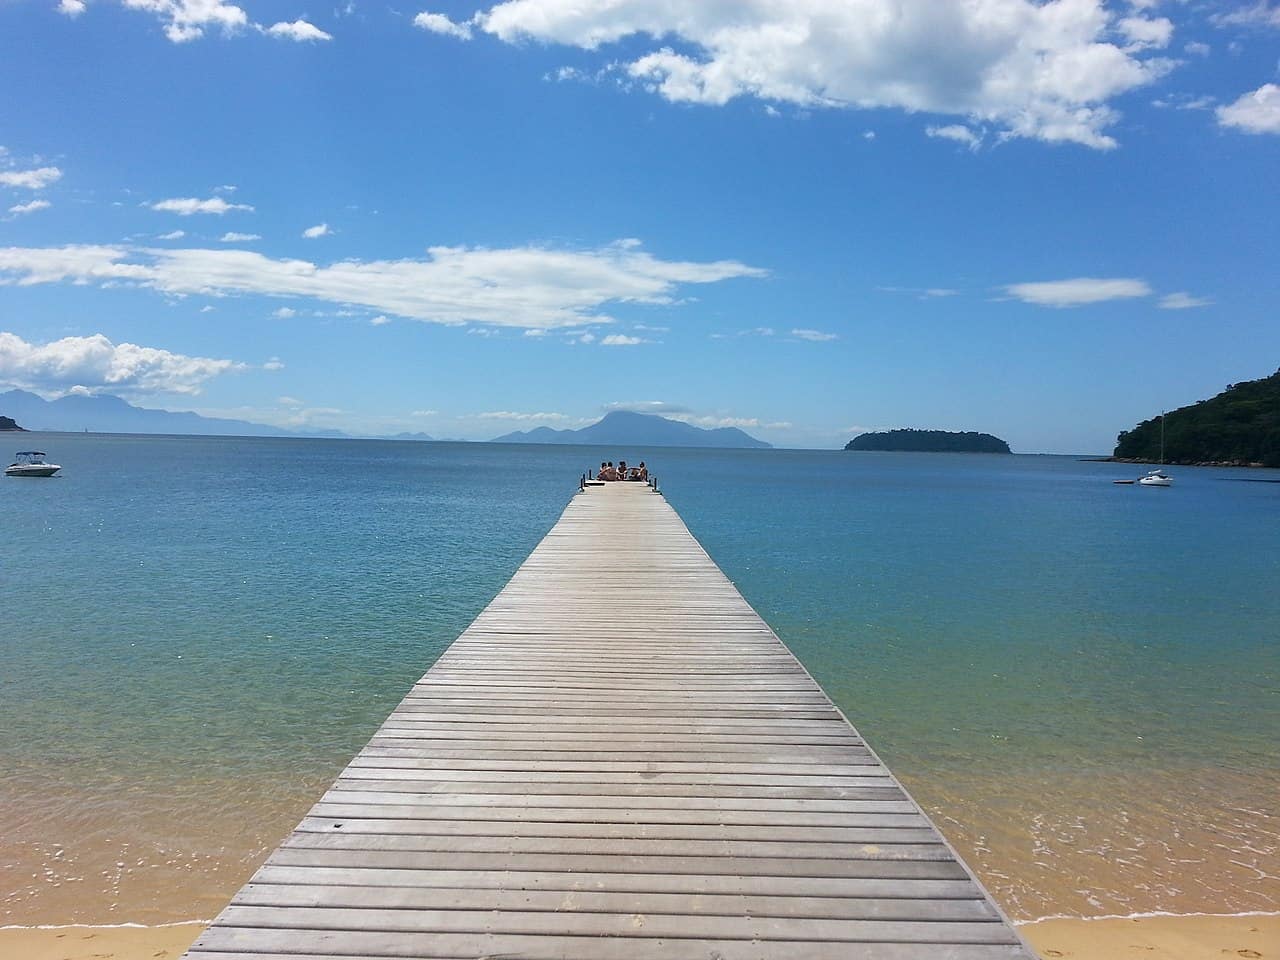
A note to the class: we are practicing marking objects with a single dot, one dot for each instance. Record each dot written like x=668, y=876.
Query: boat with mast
x=1158, y=478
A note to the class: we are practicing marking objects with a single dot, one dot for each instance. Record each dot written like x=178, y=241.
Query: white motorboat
x=31, y=463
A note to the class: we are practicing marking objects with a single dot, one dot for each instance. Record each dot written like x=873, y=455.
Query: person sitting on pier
x=622, y=470
x=607, y=471
x=641, y=473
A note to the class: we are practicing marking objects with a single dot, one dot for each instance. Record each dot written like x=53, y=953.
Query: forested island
x=929, y=441
x=8, y=423
x=1239, y=427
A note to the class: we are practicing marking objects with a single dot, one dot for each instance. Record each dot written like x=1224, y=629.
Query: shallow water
x=1078, y=680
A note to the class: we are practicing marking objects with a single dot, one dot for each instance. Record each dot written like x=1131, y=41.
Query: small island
x=1240, y=427
x=8, y=423
x=929, y=441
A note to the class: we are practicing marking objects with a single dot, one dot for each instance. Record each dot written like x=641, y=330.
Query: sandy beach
x=1154, y=938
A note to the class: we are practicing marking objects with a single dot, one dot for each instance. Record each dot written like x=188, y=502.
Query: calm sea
x=1078, y=680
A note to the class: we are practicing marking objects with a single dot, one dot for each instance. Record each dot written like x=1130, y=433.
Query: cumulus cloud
x=275, y=363
x=186, y=206
x=1255, y=112
x=232, y=237
x=530, y=287
x=187, y=20
x=1043, y=70
x=1142, y=32
x=300, y=31
x=97, y=363
x=19, y=209
x=172, y=235
x=1182, y=301
x=817, y=336
x=621, y=340
x=382, y=320
x=1078, y=292
x=319, y=230
x=284, y=313
x=71, y=8
x=36, y=179
x=439, y=23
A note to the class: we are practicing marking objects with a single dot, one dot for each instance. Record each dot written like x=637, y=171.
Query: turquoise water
x=1079, y=680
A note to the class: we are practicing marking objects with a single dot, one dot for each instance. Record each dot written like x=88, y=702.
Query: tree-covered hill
x=1239, y=426
x=929, y=441
x=7, y=423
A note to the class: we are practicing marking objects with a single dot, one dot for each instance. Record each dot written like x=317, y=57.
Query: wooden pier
x=617, y=760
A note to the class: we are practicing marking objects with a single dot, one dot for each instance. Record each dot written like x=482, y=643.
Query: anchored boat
x=31, y=463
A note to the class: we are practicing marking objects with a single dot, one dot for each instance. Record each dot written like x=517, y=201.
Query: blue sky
x=806, y=218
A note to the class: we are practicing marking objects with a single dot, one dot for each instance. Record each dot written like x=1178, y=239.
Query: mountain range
x=107, y=414
x=639, y=429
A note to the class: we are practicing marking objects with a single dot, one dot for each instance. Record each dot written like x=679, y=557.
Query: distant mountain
x=410, y=436
x=8, y=423
x=929, y=441
x=639, y=430
x=1240, y=426
x=106, y=414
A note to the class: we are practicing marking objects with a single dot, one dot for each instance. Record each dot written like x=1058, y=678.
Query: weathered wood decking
x=617, y=760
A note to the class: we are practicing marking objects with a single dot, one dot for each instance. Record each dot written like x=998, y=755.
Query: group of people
x=622, y=472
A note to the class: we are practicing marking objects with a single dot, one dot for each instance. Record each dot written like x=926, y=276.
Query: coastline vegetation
x=1238, y=427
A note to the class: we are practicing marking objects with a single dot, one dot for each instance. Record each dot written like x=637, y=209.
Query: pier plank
x=617, y=760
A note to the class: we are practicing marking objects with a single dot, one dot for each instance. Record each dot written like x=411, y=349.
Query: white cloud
x=382, y=320
x=232, y=237
x=531, y=287
x=172, y=235
x=523, y=417
x=207, y=308
x=424, y=413
x=868, y=134
x=226, y=188
x=71, y=8
x=1182, y=301
x=186, y=206
x=1197, y=49
x=284, y=313
x=1259, y=14
x=319, y=230
x=923, y=293
x=299, y=31
x=535, y=333
x=97, y=363
x=439, y=23
x=1255, y=112
x=817, y=336
x=1142, y=32
x=1078, y=292
x=957, y=132
x=275, y=363
x=648, y=406
x=1042, y=69
x=30, y=179
x=621, y=340
x=19, y=209
x=187, y=20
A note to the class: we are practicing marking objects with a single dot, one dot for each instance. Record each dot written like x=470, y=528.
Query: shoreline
x=1158, y=936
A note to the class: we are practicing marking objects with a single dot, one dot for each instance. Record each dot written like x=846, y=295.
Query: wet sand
x=1158, y=938
x=1153, y=938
